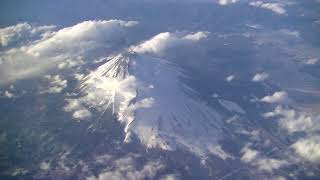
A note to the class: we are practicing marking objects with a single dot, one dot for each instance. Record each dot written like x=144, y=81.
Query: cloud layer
x=56, y=84
x=308, y=148
x=79, y=111
x=260, y=77
x=277, y=97
x=275, y=7
x=127, y=168
x=49, y=49
x=23, y=33
x=159, y=44
x=262, y=162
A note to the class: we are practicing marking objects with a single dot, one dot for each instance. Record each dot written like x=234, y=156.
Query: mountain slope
x=148, y=96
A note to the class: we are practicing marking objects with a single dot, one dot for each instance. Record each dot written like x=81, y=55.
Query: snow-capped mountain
x=175, y=89
x=148, y=95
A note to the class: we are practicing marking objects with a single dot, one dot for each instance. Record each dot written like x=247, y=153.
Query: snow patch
x=164, y=116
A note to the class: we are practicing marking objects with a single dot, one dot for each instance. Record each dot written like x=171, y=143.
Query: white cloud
x=170, y=177
x=56, y=84
x=195, y=36
x=80, y=112
x=248, y=154
x=295, y=121
x=219, y=152
x=16, y=65
x=289, y=32
x=277, y=97
x=261, y=161
x=126, y=168
x=312, y=61
x=291, y=120
x=71, y=63
x=227, y=2
x=19, y=172
x=103, y=159
x=8, y=94
x=45, y=166
x=308, y=148
x=81, y=37
x=78, y=76
x=160, y=43
x=260, y=77
x=230, y=78
x=175, y=1
x=23, y=32
x=73, y=104
x=270, y=164
x=63, y=48
x=275, y=7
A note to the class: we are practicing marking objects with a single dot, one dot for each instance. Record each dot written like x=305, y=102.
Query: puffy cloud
x=56, y=84
x=45, y=166
x=295, y=121
x=8, y=94
x=260, y=77
x=16, y=65
x=63, y=48
x=248, y=154
x=219, y=152
x=78, y=76
x=80, y=112
x=270, y=164
x=220, y=2
x=81, y=37
x=227, y=2
x=261, y=161
x=170, y=177
x=22, y=32
x=277, y=97
x=195, y=36
x=127, y=168
x=71, y=63
x=291, y=120
x=308, y=148
x=230, y=78
x=312, y=61
x=73, y=104
x=103, y=159
x=178, y=1
x=289, y=32
x=19, y=172
x=160, y=43
x=275, y=7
